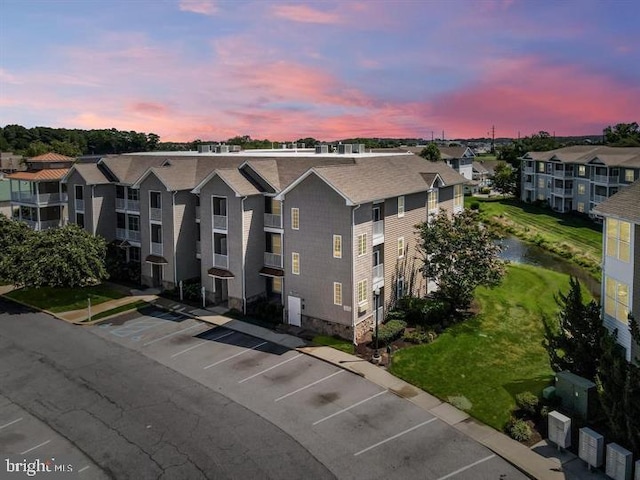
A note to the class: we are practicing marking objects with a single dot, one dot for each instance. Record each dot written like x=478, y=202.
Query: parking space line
x=308, y=386
x=33, y=448
x=10, y=423
x=201, y=343
x=235, y=355
x=415, y=427
x=174, y=333
x=83, y=469
x=349, y=408
x=471, y=465
x=271, y=368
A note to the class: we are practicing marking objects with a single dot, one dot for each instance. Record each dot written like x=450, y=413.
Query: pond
x=517, y=251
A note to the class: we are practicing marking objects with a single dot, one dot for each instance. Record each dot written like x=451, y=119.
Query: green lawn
x=573, y=237
x=122, y=308
x=485, y=361
x=58, y=300
x=337, y=343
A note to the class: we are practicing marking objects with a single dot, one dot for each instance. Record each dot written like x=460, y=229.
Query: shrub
x=527, y=402
x=485, y=190
x=435, y=311
x=419, y=336
x=475, y=206
x=390, y=331
x=396, y=315
x=519, y=430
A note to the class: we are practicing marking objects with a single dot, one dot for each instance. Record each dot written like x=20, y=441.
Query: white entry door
x=294, y=311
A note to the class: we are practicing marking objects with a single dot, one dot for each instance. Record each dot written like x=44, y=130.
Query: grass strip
x=122, y=308
x=58, y=300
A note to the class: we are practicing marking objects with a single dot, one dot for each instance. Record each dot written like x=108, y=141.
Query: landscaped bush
x=263, y=309
x=485, y=190
x=528, y=402
x=419, y=336
x=519, y=430
x=435, y=311
x=475, y=206
x=396, y=315
x=412, y=308
x=391, y=330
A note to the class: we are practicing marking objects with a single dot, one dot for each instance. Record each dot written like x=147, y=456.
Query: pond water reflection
x=517, y=251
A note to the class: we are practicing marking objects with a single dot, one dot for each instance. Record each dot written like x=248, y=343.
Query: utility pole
x=493, y=138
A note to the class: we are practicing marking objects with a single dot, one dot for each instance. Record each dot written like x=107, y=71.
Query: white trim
x=401, y=200
x=295, y=255
x=335, y=284
x=297, y=210
x=333, y=246
x=404, y=247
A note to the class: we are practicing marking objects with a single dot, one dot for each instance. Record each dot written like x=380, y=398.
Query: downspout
x=93, y=220
x=244, y=297
x=175, y=245
x=353, y=272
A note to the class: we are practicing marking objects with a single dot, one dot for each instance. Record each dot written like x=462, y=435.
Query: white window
x=540, y=182
x=582, y=170
x=337, y=246
x=295, y=263
x=581, y=207
x=295, y=219
x=362, y=244
x=628, y=175
x=400, y=206
x=616, y=302
x=401, y=247
x=80, y=219
x=582, y=189
x=432, y=200
x=618, y=239
x=362, y=292
x=400, y=288
x=541, y=167
x=337, y=293
x=276, y=284
x=458, y=196
x=541, y=196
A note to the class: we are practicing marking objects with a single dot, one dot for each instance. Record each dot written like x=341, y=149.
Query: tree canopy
x=504, y=178
x=623, y=135
x=431, y=153
x=459, y=255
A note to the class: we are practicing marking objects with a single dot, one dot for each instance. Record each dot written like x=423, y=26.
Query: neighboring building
x=578, y=178
x=319, y=233
x=482, y=174
x=460, y=158
x=621, y=264
x=5, y=196
x=37, y=196
x=9, y=162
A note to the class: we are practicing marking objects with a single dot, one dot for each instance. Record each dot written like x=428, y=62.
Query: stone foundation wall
x=327, y=328
x=235, y=303
x=364, y=328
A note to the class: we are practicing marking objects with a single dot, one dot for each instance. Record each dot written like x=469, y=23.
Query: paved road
x=130, y=416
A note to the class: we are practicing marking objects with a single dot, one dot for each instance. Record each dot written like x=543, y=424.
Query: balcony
x=272, y=220
x=79, y=205
x=220, y=222
x=378, y=276
x=129, y=205
x=156, y=248
x=272, y=260
x=378, y=232
x=42, y=225
x=563, y=192
x=528, y=185
x=197, y=214
x=563, y=173
x=124, y=234
x=528, y=170
x=198, y=248
x=41, y=199
x=220, y=261
x=598, y=198
x=155, y=214
x=604, y=179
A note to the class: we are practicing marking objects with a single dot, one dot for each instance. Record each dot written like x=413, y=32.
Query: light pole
x=376, y=353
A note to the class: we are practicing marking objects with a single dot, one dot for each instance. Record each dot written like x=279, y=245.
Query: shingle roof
x=625, y=204
x=237, y=182
x=610, y=156
x=91, y=173
x=51, y=157
x=40, y=175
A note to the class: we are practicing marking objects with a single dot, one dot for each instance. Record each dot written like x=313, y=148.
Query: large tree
x=459, y=254
x=431, y=152
x=574, y=343
x=62, y=257
x=504, y=178
x=623, y=135
x=12, y=235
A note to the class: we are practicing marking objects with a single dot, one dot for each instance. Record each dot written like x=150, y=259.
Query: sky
x=214, y=69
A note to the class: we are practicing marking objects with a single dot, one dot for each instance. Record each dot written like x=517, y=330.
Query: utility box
x=591, y=447
x=578, y=395
x=619, y=462
x=559, y=429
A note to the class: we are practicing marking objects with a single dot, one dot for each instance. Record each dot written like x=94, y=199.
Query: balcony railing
x=220, y=260
x=378, y=272
x=130, y=205
x=42, y=225
x=197, y=213
x=42, y=199
x=528, y=169
x=156, y=248
x=528, y=185
x=272, y=260
x=598, y=198
x=220, y=222
x=198, y=248
x=79, y=204
x=378, y=232
x=604, y=179
x=563, y=173
x=155, y=214
x=272, y=220
x=124, y=234
x=565, y=192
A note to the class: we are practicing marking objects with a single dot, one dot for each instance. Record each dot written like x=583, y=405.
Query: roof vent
x=322, y=148
x=345, y=148
x=358, y=148
x=222, y=148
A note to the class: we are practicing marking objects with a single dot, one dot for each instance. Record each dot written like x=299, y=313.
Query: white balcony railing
x=563, y=173
x=124, y=234
x=220, y=260
x=130, y=205
x=79, y=204
x=565, y=192
x=598, y=198
x=41, y=199
x=378, y=272
x=604, y=179
x=155, y=214
x=528, y=169
x=272, y=220
x=156, y=248
x=220, y=222
x=528, y=185
x=378, y=231
x=197, y=213
x=42, y=225
x=198, y=248
x=272, y=260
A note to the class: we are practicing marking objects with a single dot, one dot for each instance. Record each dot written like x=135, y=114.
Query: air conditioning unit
x=591, y=447
x=559, y=429
x=618, y=462
x=362, y=308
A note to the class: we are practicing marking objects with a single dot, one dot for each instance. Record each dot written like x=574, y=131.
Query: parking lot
x=24, y=437
x=354, y=427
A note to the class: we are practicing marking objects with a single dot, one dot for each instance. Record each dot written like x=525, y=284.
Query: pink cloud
x=153, y=109
x=203, y=7
x=306, y=14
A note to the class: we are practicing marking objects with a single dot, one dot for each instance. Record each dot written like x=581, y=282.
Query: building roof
x=90, y=172
x=624, y=205
x=609, y=156
x=51, y=157
x=40, y=175
x=480, y=168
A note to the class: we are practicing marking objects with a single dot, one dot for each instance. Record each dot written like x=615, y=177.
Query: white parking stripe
x=174, y=333
x=10, y=423
x=83, y=469
x=308, y=386
x=467, y=467
x=201, y=343
x=349, y=408
x=234, y=356
x=271, y=368
x=33, y=448
x=395, y=436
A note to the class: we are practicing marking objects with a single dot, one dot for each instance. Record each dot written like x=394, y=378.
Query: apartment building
x=305, y=228
x=38, y=197
x=621, y=264
x=578, y=178
x=458, y=157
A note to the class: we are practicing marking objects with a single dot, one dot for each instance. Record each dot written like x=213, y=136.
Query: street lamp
x=376, y=353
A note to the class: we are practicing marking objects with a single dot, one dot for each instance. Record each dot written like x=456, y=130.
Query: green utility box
x=578, y=395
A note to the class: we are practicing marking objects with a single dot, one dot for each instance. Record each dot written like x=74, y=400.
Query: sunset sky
x=213, y=69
